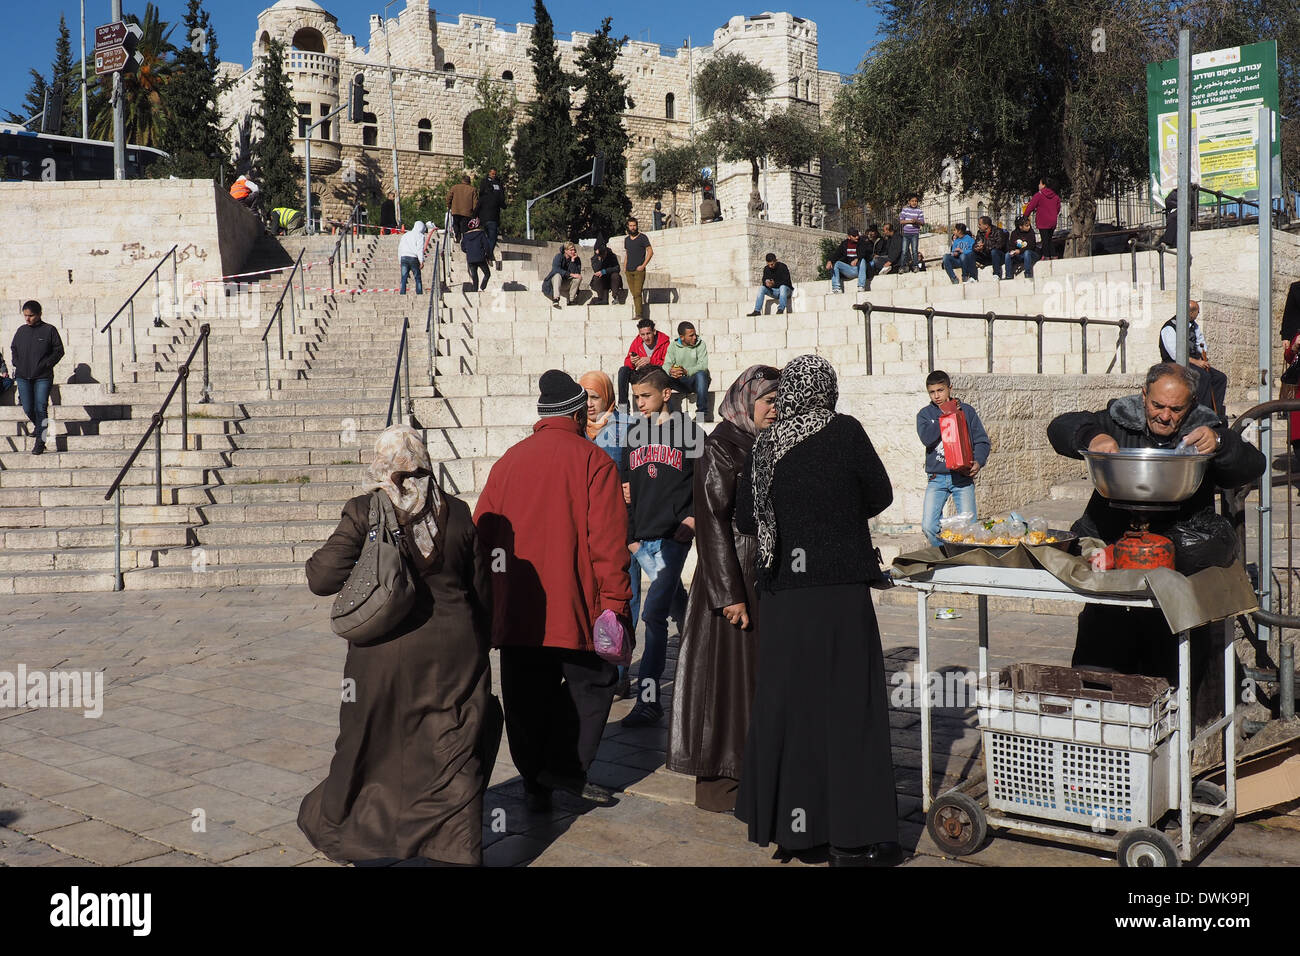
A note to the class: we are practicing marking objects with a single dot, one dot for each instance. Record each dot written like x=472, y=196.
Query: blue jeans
x=662, y=560
x=999, y=258
x=1025, y=261
x=491, y=227
x=840, y=269
x=33, y=396
x=781, y=294
x=700, y=385
x=967, y=262
x=411, y=266
x=937, y=491
x=911, y=251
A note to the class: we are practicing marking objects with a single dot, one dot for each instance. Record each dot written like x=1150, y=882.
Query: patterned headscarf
x=738, y=405
x=601, y=384
x=420, y=507
x=805, y=404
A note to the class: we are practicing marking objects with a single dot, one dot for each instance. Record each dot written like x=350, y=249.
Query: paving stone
x=27, y=814
x=271, y=856
x=129, y=775
x=186, y=759
x=122, y=741
x=514, y=850
x=173, y=858
x=218, y=843
x=101, y=843
x=258, y=780
x=122, y=809
x=55, y=751
x=666, y=787
x=286, y=754
x=17, y=849
x=223, y=806
x=287, y=834
x=37, y=778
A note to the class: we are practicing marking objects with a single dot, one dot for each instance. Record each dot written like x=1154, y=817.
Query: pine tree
x=34, y=101
x=602, y=210
x=61, y=71
x=544, y=147
x=274, y=167
x=191, y=130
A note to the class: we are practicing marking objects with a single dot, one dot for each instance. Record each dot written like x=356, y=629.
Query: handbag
x=380, y=591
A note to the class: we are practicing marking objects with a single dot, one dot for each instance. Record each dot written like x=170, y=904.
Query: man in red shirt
x=553, y=525
x=648, y=348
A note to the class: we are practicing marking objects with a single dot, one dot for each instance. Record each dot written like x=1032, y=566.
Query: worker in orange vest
x=244, y=191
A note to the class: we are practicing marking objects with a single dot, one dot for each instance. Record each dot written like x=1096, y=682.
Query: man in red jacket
x=553, y=522
x=648, y=348
x=1047, y=205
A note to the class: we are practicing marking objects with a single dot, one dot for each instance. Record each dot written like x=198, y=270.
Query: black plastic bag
x=1205, y=540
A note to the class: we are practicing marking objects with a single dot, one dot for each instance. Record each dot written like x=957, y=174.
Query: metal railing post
x=410, y=401
x=302, y=289
x=157, y=301
x=929, y=336
x=185, y=408
x=117, y=540
x=266, y=349
x=292, y=315
x=279, y=322
x=131, y=322
x=112, y=379
x=1160, y=255
x=1123, y=346
x=1038, y=320
x=157, y=449
x=989, y=340
x=207, y=381
x=866, y=320
x=176, y=289
x=1133, y=250
x=1083, y=324
x=331, y=272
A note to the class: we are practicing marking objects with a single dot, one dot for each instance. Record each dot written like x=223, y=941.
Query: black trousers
x=1136, y=641
x=624, y=383
x=474, y=269
x=1211, y=384
x=1048, y=248
x=603, y=286
x=557, y=704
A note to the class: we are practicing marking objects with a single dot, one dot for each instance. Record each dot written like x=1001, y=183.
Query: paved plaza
x=221, y=708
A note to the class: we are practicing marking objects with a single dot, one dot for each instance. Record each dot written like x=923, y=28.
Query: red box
x=954, y=432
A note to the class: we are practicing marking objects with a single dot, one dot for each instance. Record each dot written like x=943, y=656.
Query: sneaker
x=837, y=291
x=578, y=787
x=555, y=304
x=968, y=279
x=38, y=448
x=623, y=689
x=484, y=285
x=778, y=312
x=752, y=314
x=644, y=714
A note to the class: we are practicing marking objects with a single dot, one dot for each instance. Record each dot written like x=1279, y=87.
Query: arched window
x=309, y=40
x=450, y=70
x=507, y=75
x=627, y=103
x=425, y=136
x=369, y=130
x=669, y=102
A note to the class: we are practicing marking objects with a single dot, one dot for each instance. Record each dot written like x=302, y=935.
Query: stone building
x=436, y=66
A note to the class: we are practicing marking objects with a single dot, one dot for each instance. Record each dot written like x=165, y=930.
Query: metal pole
x=176, y=288
x=157, y=451
x=185, y=410
x=866, y=318
x=1186, y=194
x=989, y=342
x=1083, y=324
x=85, y=104
x=117, y=540
x=1265, y=293
x=131, y=320
x=929, y=336
x=207, y=381
x=406, y=359
x=392, y=117
x=267, y=352
x=1038, y=320
x=119, y=112
x=528, y=219
x=112, y=382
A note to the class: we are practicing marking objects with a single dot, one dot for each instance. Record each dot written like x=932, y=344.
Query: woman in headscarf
x=418, y=726
x=818, y=767
x=717, y=665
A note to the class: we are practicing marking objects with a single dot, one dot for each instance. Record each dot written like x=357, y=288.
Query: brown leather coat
x=717, y=667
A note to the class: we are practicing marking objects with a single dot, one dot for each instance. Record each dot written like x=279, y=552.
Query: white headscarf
x=420, y=506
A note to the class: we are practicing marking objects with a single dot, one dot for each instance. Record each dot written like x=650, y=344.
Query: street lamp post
x=392, y=117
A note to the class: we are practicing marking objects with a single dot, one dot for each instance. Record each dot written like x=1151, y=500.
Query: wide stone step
x=102, y=477
x=205, y=558
x=57, y=582
x=247, y=575
x=74, y=559
x=220, y=534
x=136, y=536
x=91, y=516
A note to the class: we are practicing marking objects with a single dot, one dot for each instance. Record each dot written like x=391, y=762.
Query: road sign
x=115, y=48
x=110, y=34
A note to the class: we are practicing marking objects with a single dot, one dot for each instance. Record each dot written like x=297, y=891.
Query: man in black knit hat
x=553, y=527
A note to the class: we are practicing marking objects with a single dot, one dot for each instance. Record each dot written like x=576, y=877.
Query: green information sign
x=1228, y=88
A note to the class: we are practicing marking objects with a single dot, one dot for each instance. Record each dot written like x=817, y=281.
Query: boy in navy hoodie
x=945, y=483
x=659, y=468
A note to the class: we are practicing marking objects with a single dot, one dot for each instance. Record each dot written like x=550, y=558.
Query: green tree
x=33, y=101
x=601, y=210
x=488, y=131
x=191, y=128
x=544, y=151
x=61, y=71
x=731, y=92
x=142, y=91
x=274, y=166
x=669, y=170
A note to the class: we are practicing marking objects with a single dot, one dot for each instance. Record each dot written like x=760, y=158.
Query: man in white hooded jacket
x=411, y=254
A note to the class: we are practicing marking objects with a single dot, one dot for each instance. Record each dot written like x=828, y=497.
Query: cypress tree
x=602, y=210
x=274, y=167
x=191, y=130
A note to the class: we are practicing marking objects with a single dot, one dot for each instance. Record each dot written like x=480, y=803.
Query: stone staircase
x=266, y=470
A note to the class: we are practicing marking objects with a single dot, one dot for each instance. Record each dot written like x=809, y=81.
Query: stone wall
x=81, y=247
x=731, y=252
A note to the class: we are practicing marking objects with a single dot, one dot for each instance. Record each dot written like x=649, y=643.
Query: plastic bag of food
x=1015, y=529
x=1037, y=526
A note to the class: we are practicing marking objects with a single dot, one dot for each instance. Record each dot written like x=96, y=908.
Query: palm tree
x=141, y=90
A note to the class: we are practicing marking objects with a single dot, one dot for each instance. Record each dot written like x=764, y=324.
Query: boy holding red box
x=956, y=448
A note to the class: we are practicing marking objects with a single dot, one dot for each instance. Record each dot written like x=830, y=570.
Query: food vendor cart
x=1078, y=769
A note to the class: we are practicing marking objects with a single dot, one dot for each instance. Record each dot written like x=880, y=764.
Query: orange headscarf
x=603, y=386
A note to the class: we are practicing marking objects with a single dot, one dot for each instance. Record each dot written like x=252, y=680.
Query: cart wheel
x=957, y=824
x=1147, y=847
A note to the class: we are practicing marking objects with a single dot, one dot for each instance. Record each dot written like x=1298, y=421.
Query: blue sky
x=845, y=27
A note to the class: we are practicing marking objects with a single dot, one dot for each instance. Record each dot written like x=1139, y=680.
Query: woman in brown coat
x=717, y=665
x=418, y=726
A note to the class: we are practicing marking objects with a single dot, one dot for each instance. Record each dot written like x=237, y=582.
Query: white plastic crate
x=1075, y=758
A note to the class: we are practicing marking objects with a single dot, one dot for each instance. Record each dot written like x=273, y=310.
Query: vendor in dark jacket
x=990, y=246
x=1164, y=415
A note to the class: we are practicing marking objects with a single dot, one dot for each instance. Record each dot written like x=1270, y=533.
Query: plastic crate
x=1079, y=746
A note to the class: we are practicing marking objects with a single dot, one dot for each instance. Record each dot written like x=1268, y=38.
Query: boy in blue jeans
x=945, y=483
x=659, y=467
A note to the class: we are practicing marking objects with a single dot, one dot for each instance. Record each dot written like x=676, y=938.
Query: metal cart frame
x=1037, y=583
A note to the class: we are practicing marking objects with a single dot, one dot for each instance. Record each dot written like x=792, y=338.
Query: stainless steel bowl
x=1150, y=475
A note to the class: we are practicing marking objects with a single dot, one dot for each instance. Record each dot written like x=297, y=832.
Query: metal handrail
x=1121, y=346
x=403, y=358
x=155, y=429
x=1134, y=247
x=278, y=315
x=130, y=304
x=344, y=242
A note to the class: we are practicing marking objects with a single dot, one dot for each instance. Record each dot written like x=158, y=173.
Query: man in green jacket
x=688, y=360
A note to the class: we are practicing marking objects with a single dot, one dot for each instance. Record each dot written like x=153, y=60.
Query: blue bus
x=46, y=157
